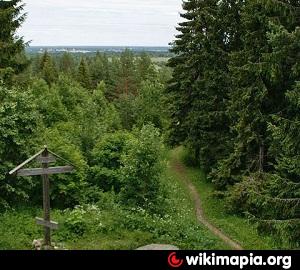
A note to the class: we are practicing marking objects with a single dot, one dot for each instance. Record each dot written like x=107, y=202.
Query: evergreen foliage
x=233, y=100
x=12, y=57
x=48, y=69
x=230, y=94
x=83, y=74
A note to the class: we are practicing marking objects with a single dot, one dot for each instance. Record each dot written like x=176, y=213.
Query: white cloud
x=101, y=22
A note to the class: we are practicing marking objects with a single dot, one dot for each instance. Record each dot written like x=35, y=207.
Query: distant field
x=160, y=59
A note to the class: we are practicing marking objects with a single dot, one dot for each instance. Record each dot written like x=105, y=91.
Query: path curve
x=178, y=167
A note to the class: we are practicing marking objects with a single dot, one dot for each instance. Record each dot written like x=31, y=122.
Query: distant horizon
x=93, y=49
x=86, y=46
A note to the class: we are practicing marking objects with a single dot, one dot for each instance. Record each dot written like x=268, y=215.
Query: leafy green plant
x=75, y=222
x=106, y=161
x=142, y=167
x=19, y=125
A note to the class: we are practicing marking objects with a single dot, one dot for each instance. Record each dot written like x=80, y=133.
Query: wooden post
x=45, y=157
x=46, y=200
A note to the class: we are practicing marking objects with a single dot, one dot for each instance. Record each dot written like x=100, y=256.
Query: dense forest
x=229, y=94
x=235, y=104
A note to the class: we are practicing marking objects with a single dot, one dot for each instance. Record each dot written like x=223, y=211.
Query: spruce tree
x=100, y=69
x=67, y=64
x=48, y=69
x=12, y=57
x=255, y=96
x=127, y=76
x=281, y=192
x=97, y=69
x=83, y=74
x=179, y=93
x=200, y=84
x=145, y=68
x=264, y=111
x=112, y=78
x=279, y=196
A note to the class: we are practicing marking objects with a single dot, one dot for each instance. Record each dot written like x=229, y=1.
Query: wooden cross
x=45, y=157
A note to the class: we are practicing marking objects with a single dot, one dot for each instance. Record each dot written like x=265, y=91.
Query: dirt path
x=178, y=167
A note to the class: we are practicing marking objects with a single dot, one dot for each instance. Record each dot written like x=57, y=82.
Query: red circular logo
x=173, y=261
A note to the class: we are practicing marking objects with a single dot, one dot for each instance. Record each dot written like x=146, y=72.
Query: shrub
x=18, y=229
x=142, y=167
x=19, y=125
x=67, y=190
x=106, y=161
x=149, y=105
x=75, y=223
x=89, y=219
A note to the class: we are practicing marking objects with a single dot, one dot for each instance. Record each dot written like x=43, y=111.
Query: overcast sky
x=101, y=22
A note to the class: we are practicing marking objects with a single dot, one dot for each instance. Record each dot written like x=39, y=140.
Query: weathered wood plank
x=49, y=224
x=48, y=159
x=61, y=158
x=26, y=162
x=46, y=201
x=43, y=171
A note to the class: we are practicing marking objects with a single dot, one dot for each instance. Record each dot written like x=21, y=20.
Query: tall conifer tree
x=12, y=58
x=83, y=75
x=263, y=110
x=48, y=69
x=200, y=84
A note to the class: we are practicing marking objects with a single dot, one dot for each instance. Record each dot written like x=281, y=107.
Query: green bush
x=49, y=103
x=89, y=219
x=19, y=125
x=106, y=161
x=18, y=229
x=141, y=168
x=149, y=107
x=67, y=190
x=75, y=222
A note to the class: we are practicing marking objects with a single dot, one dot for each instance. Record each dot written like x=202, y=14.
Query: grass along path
x=236, y=231
x=180, y=169
x=107, y=225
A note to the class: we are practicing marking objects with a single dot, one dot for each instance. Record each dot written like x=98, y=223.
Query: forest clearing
x=139, y=229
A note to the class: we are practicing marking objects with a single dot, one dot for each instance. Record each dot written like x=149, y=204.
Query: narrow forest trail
x=178, y=167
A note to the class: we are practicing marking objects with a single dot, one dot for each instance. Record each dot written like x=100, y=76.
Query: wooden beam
x=61, y=158
x=49, y=224
x=48, y=159
x=46, y=202
x=43, y=171
x=26, y=162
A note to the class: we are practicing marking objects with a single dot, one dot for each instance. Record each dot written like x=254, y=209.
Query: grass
x=184, y=204
x=18, y=230
x=108, y=226
x=238, y=228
